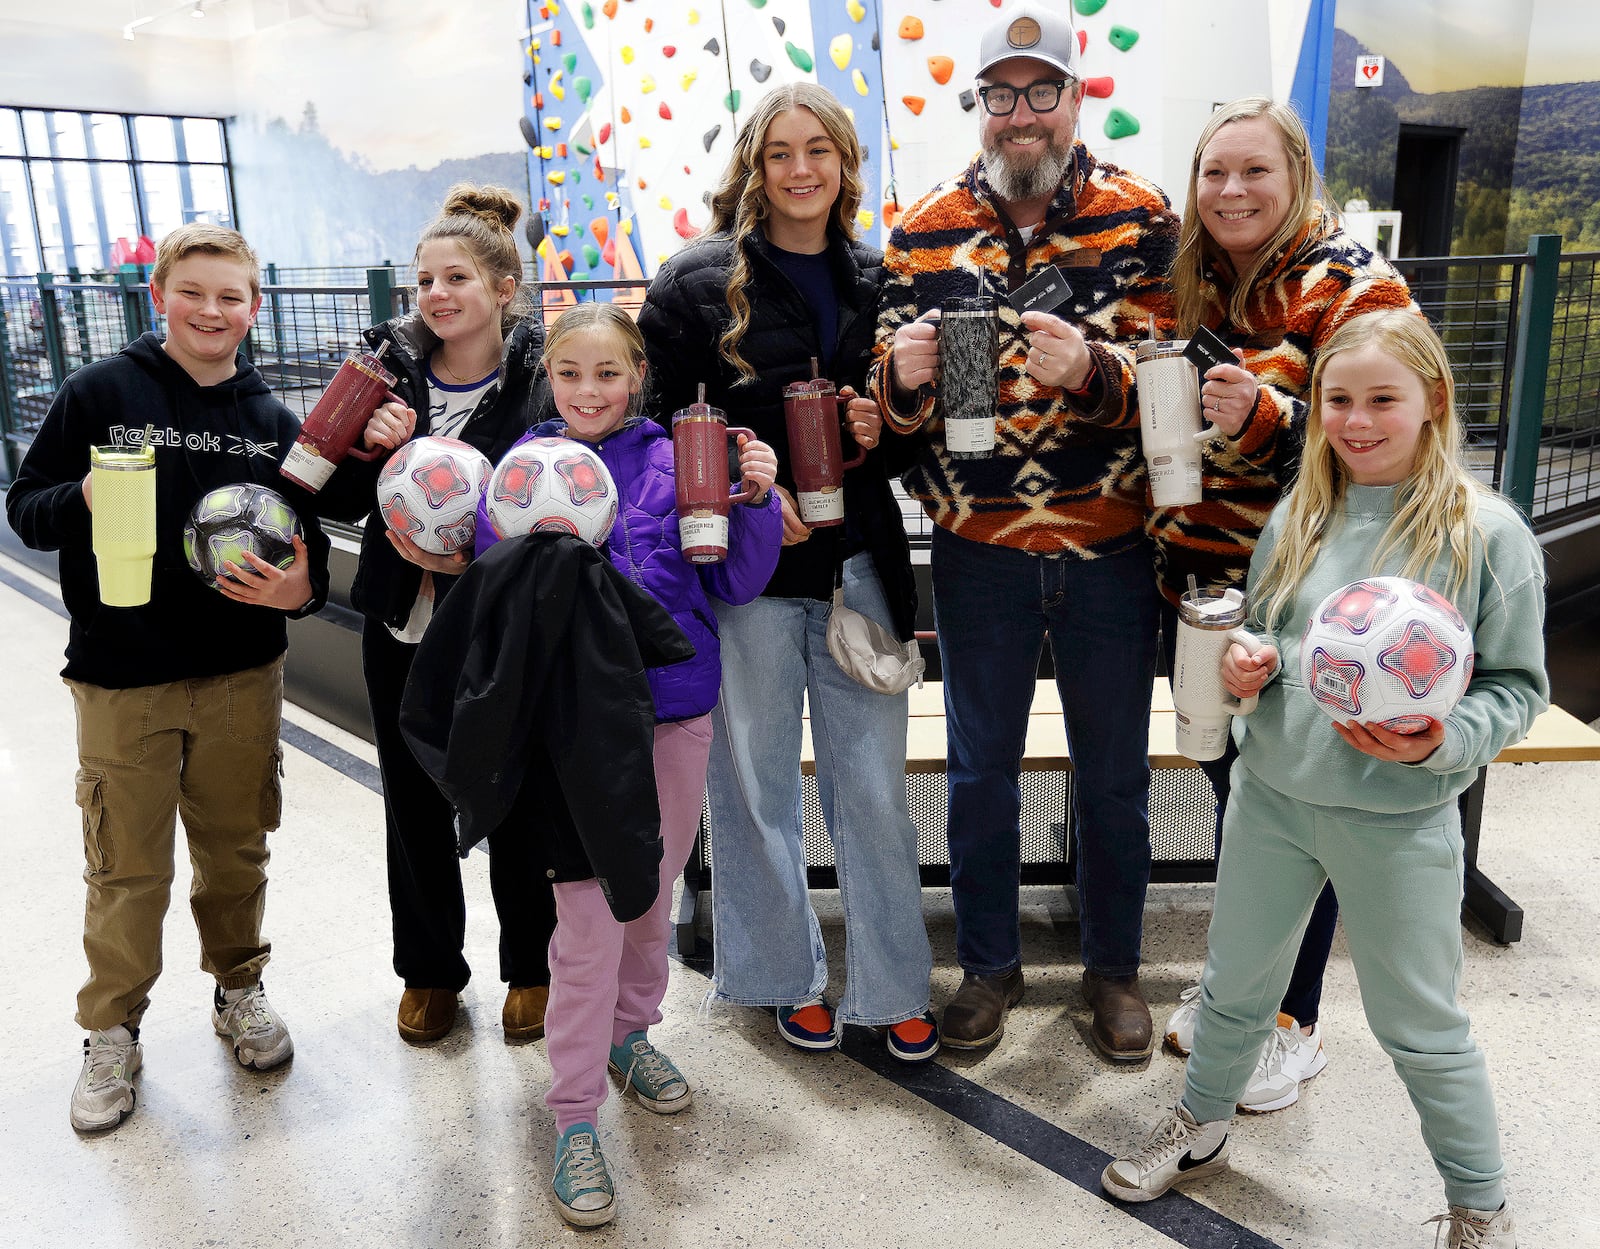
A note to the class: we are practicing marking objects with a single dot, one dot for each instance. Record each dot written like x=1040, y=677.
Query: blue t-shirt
x=813, y=276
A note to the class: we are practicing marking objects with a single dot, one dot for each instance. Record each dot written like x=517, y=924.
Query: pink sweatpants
x=607, y=979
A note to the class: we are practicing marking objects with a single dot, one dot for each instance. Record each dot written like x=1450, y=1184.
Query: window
x=78, y=189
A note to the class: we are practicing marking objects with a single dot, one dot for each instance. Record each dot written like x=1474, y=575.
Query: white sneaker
x=1179, y=1150
x=1289, y=1057
x=1180, y=1024
x=246, y=1018
x=1476, y=1229
x=104, y=1094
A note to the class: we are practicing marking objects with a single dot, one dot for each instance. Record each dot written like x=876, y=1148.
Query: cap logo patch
x=1023, y=33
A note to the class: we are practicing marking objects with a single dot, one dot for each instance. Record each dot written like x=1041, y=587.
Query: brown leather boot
x=1121, y=1028
x=426, y=1014
x=976, y=1015
x=523, y=1015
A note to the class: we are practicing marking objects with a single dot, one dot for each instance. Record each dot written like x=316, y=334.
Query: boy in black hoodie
x=178, y=701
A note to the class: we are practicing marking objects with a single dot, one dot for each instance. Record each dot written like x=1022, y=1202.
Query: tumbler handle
x=1243, y=706
x=377, y=452
x=748, y=489
x=861, y=452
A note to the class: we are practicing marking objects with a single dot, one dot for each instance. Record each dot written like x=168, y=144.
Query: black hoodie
x=205, y=437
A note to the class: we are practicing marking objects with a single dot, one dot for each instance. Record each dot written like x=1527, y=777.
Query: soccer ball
x=552, y=485
x=231, y=520
x=429, y=492
x=1386, y=650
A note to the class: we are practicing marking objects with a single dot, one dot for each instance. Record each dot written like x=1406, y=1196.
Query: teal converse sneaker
x=660, y=1086
x=581, y=1184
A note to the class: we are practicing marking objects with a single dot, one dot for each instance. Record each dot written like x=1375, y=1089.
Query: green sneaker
x=659, y=1085
x=581, y=1184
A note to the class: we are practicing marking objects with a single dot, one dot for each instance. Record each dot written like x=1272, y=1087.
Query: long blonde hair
x=603, y=319
x=1197, y=250
x=739, y=204
x=1437, y=504
x=480, y=218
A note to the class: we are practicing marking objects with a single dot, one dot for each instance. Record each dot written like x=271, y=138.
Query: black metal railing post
x=1530, y=368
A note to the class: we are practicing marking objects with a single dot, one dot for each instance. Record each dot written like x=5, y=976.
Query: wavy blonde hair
x=1437, y=504
x=1197, y=250
x=599, y=318
x=739, y=204
x=480, y=218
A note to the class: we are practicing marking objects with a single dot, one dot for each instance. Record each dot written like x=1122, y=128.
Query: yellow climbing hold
x=856, y=11
x=644, y=140
x=546, y=152
x=688, y=79
x=693, y=17
x=647, y=84
x=552, y=123
x=627, y=54
x=666, y=204
x=627, y=226
x=840, y=50
x=864, y=219
x=561, y=232
x=556, y=89
x=557, y=176
x=859, y=81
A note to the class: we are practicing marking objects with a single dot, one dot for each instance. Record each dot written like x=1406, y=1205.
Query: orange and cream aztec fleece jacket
x=1323, y=278
x=1066, y=477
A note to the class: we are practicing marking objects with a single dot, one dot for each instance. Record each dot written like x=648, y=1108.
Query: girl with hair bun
x=467, y=360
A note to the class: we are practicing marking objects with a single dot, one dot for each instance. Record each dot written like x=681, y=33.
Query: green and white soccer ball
x=231, y=520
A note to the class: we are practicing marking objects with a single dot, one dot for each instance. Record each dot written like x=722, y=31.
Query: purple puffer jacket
x=645, y=547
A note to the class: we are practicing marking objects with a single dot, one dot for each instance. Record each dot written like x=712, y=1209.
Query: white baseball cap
x=1031, y=30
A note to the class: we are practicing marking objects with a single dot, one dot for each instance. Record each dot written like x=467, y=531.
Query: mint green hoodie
x=1290, y=744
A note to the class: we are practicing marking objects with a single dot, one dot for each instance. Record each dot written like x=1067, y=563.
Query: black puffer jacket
x=385, y=586
x=684, y=316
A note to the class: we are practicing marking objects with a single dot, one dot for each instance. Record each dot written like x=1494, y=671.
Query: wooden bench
x=1556, y=736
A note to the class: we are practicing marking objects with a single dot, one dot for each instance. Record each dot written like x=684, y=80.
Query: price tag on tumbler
x=1044, y=292
x=1205, y=350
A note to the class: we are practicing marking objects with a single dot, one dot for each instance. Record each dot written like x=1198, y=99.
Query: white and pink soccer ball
x=1389, y=651
x=429, y=492
x=552, y=485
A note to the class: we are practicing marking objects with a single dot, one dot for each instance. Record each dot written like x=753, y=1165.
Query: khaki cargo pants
x=206, y=749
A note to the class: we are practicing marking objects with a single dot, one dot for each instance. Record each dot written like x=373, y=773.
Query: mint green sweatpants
x=1399, y=884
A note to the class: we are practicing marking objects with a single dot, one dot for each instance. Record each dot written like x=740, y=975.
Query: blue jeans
x=768, y=946
x=994, y=606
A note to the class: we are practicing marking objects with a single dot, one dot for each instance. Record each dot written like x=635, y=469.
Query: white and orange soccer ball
x=429, y=492
x=552, y=485
x=1389, y=651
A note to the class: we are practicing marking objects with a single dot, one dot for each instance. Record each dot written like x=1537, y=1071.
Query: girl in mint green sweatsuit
x=1383, y=490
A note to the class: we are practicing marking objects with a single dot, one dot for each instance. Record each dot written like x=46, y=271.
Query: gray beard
x=1017, y=180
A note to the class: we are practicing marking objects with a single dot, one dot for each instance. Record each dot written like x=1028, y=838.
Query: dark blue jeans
x=994, y=607
x=1303, y=998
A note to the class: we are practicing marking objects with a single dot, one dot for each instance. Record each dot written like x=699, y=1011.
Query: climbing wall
x=630, y=106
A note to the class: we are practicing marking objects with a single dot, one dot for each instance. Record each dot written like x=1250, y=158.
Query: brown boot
x=1121, y=1028
x=976, y=1015
x=426, y=1014
x=523, y=1015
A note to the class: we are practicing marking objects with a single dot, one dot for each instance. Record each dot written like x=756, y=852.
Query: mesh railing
x=30, y=380
x=1568, y=480
x=302, y=334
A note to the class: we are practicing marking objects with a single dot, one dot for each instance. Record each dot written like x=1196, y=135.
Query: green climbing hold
x=570, y=60
x=578, y=229
x=582, y=275
x=1088, y=7
x=1122, y=38
x=588, y=16
x=1121, y=124
x=731, y=101
x=583, y=149
x=588, y=202
x=801, y=58
x=578, y=177
x=758, y=4
x=591, y=255
x=583, y=87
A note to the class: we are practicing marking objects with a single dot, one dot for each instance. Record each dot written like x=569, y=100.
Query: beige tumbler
x=123, y=522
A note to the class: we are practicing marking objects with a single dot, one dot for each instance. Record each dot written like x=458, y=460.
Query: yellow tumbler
x=122, y=483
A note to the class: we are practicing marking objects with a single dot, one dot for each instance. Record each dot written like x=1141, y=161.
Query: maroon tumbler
x=812, y=412
x=700, y=436
x=334, y=425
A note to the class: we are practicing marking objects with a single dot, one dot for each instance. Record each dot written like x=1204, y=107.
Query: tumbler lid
x=1154, y=349
x=816, y=386
x=371, y=365
x=700, y=412
x=1211, y=609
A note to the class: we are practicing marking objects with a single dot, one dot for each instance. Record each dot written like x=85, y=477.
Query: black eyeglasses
x=1043, y=96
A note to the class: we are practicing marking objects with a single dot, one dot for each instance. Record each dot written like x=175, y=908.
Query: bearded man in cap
x=1044, y=536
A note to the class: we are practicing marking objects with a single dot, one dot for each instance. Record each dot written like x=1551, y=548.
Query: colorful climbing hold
x=644, y=141
x=1083, y=41
x=664, y=112
x=858, y=80
x=1088, y=8
x=566, y=260
x=777, y=22
x=608, y=253
x=626, y=54
x=855, y=9
x=609, y=8
x=557, y=176
x=687, y=80
x=588, y=16
x=600, y=229
x=864, y=219
x=552, y=123
x=647, y=84
x=1121, y=124
x=801, y=58
x=625, y=116
x=569, y=62
x=583, y=149
x=914, y=103
x=911, y=28
x=665, y=204
x=556, y=89
x=692, y=17
x=649, y=24
x=760, y=71
x=1099, y=88
x=731, y=100
x=588, y=201
x=668, y=50
x=680, y=223
x=1122, y=37
x=758, y=4
x=603, y=133
x=713, y=47
x=941, y=67
x=710, y=136
x=561, y=151
x=561, y=231
x=591, y=255
x=583, y=87
x=840, y=48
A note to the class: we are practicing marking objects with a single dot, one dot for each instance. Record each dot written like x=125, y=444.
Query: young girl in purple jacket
x=607, y=979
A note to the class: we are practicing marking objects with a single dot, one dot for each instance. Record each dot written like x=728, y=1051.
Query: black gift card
x=1205, y=350
x=1043, y=293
